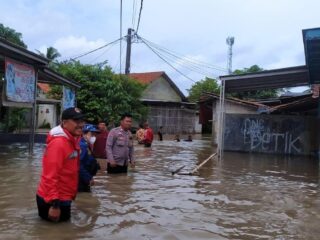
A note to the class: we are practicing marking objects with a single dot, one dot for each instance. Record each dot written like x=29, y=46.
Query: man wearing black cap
x=60, y=167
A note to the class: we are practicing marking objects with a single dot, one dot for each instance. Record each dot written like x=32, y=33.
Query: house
x=20, y=71
x=209, y=110
x=168, y=107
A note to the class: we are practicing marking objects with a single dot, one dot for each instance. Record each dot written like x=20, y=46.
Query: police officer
x=120, y=146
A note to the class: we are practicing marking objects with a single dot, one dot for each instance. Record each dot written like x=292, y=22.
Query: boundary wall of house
x=275, y=134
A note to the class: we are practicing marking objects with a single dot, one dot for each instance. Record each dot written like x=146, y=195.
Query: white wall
x=160, y=89
x=47, y=113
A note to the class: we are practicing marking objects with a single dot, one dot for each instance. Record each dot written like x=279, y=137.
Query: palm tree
x=52, y=54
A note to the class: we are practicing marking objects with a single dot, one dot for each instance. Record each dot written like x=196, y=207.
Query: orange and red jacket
x=148, y=135
x=60, y=166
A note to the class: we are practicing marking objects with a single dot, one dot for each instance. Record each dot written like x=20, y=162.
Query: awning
x=21, y=54
x=271, y=79
x=46, y=75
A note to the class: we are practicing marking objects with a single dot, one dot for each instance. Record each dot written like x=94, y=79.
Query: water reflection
x=242, y=197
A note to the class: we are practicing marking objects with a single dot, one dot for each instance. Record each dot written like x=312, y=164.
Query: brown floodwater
x=244, y=196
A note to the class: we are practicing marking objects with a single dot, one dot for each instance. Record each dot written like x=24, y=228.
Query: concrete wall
x=160, y=89
x=292, y=135
x=172, y=119
x=230, y=108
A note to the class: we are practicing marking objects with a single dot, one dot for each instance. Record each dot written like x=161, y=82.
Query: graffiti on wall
x=259, y=136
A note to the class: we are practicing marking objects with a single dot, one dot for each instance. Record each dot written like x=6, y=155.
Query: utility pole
x=230, y=42
x=128, y=56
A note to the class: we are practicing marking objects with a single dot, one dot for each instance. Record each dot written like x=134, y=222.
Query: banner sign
x=20, y=81
x=69, y=98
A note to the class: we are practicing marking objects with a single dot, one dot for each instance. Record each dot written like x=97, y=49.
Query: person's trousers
x=147, y=145
x=103, y=164
x=117, y=169
x=43, y=209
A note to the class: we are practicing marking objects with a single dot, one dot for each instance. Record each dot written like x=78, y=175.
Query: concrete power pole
x=128, y=56
x=230, y=42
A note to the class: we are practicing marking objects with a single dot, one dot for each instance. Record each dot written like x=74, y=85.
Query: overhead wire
x=163, y=59
x=120, y=33
x=104, y=52
x=118, y=62
x=141, y=5
x=134, y=12
x=187, y=65
x=180, y=62
x=94, y=50
x=191, y=60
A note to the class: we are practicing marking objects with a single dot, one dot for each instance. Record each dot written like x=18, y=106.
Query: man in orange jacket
x=60, y=168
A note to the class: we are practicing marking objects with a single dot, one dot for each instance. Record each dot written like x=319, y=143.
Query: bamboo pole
x=199, y=166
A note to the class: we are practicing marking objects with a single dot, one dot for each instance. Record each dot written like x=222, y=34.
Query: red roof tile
x=147, y=77
x=44, y=87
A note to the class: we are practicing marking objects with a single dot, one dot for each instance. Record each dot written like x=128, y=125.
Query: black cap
x=72, y=113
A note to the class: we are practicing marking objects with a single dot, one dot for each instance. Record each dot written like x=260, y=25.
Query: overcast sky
x=267, y=32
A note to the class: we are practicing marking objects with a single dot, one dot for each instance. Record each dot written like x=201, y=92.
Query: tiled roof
x=147, y=77
x=45, y=87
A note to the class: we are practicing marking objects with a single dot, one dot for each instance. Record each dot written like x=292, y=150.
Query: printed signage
x=69, y=98
x=20, y=81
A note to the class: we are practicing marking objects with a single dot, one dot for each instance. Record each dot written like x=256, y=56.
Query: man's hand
x=91, y=182
x=54, y=214
x=112, y=163
x=132, y=164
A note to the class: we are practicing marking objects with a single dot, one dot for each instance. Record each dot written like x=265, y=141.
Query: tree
x=206, y=85
x=52, y=54
x=11, y=35
x=254, y=94
x=104, y=94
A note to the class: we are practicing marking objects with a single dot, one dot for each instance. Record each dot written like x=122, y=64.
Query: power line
x=191, y=60
x=186, y=65
x=120, y=32
x=134, y=12
x=139, y=16
x=181, y=62
x=96, y=49
x=104, y=52
x=163, y=59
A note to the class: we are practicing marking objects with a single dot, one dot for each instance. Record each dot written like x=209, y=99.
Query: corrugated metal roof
x=271, y=79
x=210, y=96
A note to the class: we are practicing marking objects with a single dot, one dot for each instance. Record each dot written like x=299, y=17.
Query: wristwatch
x=55, y=203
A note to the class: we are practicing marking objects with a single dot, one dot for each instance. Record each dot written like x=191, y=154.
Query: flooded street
x=242, y=197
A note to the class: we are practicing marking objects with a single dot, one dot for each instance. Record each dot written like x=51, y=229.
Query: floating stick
x=199, y=166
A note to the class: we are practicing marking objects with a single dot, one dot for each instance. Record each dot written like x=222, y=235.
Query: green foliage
x=45, y=125
x=255, y=94
x=104, y=95
x=55, y=92
x=206, y=85
x=15, y=119
x=52, y=54
x=11, y=35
